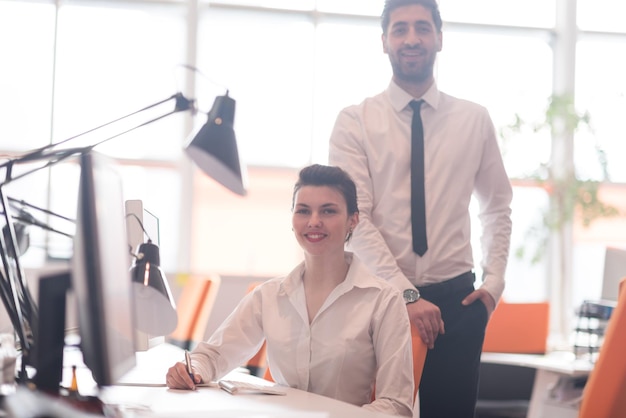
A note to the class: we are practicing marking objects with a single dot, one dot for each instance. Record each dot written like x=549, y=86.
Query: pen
x=188, y=364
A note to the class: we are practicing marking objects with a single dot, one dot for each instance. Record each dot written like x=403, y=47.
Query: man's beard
x=424, y=73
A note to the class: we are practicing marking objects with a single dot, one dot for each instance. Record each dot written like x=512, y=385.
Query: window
x=291, y=65
x=103, y=74
x=601, y=91
x=27, y=34
x=265, y=61
x=533, y=13
x=601, y=15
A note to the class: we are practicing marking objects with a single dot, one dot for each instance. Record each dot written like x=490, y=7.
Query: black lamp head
x=155, y=310
x=214, y=148
x=22, y=236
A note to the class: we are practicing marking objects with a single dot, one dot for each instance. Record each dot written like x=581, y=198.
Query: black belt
x=460, y=282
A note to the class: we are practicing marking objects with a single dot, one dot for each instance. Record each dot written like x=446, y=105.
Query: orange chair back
x=194, y=309
x=420, y=349
x=518, y=328
x=604, y=394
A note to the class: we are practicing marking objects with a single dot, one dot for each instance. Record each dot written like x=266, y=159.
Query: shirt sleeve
x=346, y=151
x=494, y=193
x=235, y=341
x=393, y=347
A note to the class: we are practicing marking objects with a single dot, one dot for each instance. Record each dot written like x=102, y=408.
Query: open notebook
x=237, y=386
x=152, y=367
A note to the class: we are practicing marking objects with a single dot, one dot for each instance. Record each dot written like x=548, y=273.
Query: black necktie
x=418, y=205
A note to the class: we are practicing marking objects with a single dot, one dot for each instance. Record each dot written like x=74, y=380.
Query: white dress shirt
x=360, y=336
x=372, y=141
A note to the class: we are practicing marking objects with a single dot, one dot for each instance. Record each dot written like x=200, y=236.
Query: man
x=461, y=158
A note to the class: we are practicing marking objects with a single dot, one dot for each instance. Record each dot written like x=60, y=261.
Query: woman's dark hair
x=331, y=176
x=391, y=5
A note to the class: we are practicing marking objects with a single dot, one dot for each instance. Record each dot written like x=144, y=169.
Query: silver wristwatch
x=411, y=295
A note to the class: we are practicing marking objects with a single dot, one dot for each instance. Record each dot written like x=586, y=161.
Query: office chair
x=194, y=308
x=419, y=357
x=505, y=390
x=604, y=394
x=518, y=328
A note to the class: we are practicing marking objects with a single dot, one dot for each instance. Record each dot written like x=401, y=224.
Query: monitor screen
x=614, y=272
x=100, y=272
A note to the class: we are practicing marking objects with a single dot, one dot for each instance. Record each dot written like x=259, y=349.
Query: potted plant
x=569, y=195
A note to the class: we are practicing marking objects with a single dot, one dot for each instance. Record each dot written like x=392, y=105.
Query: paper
x=234, y=387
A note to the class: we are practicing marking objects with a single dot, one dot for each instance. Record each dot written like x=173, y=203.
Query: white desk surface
x=156, y=400
x=559, y=362
x=550, y=368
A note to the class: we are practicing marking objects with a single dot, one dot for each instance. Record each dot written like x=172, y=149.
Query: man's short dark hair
x=391, y=5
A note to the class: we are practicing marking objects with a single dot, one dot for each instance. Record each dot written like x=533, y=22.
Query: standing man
x=429, y=258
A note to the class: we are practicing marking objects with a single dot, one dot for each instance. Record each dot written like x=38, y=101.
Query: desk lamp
x=155, y=310
x=213, y=149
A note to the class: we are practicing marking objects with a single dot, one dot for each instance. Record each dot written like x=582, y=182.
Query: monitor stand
x=50, y=333
x=50, y=345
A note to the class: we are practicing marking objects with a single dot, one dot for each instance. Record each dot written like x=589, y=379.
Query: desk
x=215, y=402
x=550, y=368
x=161, y=402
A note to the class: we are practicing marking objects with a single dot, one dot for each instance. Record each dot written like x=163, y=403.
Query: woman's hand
x=178, y=378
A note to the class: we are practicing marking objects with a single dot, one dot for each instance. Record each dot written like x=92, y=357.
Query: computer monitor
x=100, y=272
x=100, y=280
x=614, y=272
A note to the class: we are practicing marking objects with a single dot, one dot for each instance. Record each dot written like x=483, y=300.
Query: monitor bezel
x=100, y=274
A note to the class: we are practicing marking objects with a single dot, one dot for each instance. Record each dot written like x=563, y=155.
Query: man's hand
x=427, y=319
x=484, y=296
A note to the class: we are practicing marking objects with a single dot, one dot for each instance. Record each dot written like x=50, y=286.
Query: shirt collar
x=358, y=276
x=400, y=99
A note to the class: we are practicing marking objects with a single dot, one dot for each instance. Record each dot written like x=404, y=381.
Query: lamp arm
x=182, y=104
x=133, y=128
x=53, y=158
x=14, y=285
x=37, y=208
x=30, y=220
x=14, y=292
x=58, y=156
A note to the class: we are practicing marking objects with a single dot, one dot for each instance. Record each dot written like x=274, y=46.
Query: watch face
x=410, y=295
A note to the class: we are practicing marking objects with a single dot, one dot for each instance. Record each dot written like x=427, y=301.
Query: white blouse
x=360, y=336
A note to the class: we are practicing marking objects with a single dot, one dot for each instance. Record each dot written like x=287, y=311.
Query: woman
x=331, y=327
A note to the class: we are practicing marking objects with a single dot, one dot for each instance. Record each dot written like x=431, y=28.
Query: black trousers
x=449, y=384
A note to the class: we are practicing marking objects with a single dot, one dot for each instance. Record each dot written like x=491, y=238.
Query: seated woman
x=331, y=327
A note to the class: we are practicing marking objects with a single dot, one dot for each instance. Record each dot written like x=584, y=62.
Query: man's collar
x=400, y=98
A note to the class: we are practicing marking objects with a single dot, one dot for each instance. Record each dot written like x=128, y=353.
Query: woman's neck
x=325, y=271
x=320, y=277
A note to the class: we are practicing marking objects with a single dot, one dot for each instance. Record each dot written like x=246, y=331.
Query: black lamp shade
x=214, y=148
x=155, y=310
x=22, y=236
